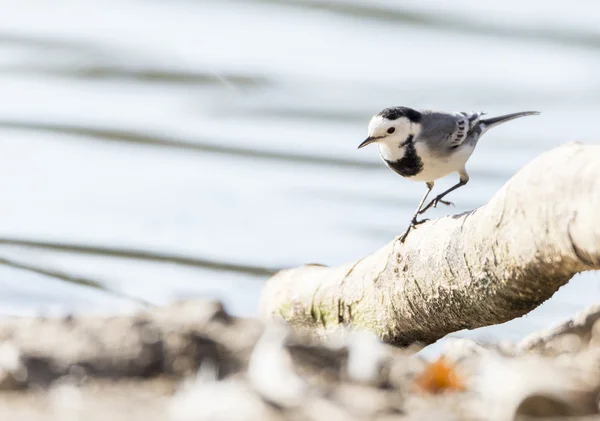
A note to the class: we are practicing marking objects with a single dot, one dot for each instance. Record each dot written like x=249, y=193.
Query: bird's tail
x=488, y=123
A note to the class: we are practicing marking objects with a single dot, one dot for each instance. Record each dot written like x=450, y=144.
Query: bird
x=426, y=145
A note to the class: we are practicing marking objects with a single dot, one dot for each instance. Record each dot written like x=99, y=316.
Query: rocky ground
x=192, y=361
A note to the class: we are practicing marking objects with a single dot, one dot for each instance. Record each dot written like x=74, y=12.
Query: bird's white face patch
x=380, y=127
x=390, y=144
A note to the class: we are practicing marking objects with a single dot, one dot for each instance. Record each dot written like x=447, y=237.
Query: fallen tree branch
x=479, y=268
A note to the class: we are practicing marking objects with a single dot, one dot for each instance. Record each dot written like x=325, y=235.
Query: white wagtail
x=426, y=145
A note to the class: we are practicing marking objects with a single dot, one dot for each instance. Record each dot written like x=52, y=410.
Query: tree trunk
x=479, y=268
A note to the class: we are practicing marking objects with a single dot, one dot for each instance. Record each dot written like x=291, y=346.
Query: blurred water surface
x=154, y=150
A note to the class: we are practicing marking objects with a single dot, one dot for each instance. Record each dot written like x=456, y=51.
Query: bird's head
x=392, y=126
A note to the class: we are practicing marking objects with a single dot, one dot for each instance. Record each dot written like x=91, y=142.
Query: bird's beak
x=368, y=140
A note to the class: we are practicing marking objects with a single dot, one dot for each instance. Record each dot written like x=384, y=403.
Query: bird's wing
x=447, y=130
x=465, y=123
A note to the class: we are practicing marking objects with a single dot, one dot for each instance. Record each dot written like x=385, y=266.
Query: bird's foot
x=434, y=204
x=413, y=223
x=403, y=236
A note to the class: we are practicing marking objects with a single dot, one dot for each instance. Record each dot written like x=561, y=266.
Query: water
x=155, y=150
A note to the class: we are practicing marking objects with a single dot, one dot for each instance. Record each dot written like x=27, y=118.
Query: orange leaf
x=440, y=376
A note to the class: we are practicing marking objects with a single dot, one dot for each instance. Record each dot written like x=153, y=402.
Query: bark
x=464, y=271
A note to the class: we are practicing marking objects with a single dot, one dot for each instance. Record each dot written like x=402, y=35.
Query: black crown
x=394, y=113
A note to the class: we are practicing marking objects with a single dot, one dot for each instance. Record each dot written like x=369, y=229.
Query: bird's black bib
x=410, y=164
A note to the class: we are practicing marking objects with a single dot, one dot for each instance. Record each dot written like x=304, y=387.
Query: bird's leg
x=464, y=179
x=413, y=221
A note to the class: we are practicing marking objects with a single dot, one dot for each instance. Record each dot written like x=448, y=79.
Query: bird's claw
x=403, y=236
x=434, y=204
x=413, y=224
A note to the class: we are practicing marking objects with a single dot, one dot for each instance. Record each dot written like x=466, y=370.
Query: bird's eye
x=391, y=130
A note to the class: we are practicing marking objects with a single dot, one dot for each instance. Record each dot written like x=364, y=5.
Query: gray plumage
x=444, y=132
